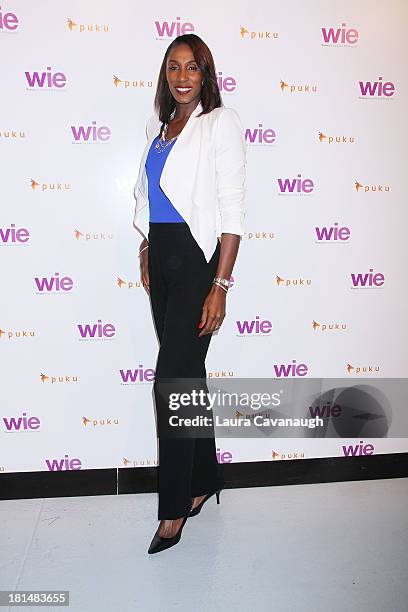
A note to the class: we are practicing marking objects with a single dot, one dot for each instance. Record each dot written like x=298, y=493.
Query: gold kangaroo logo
x=321, y=136
x=243, y=31
x=349, y=368
x=315, y=325
x=71, y=24
x=283, y=85
x=357, y=185
x=121, y=282
x=85, y=421
x=116, y=80
x=279, y=280
x=34, y=184
x=78, y=234
x=44, y=377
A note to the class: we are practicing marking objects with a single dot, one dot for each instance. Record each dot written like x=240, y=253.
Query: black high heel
x=159, y=543
x=197, y=509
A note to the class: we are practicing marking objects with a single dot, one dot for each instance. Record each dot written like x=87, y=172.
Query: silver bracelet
x=223, y=281
x=215, y=282
x=144, y=248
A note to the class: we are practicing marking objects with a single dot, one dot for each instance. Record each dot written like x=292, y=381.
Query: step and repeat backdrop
x=319, y=287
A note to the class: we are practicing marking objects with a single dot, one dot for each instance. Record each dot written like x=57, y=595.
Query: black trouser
x=180, y=279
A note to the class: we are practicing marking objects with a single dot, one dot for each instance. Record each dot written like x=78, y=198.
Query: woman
x=190, y=212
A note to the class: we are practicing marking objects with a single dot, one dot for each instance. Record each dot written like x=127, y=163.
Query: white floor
x=334, y=547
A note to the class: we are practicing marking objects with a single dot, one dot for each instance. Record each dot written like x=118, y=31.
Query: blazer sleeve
x=230, y=166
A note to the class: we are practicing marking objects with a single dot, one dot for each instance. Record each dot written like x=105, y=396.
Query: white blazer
x=203, y=177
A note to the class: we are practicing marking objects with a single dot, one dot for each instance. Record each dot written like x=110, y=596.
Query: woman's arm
x=230, y=161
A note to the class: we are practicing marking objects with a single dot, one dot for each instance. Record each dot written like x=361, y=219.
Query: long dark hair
x=164, y=102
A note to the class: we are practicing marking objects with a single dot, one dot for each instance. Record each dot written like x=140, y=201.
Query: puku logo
x=359, y=187
x=8, y=21
x=260, y=135
x=324, y=327
x=91, y=236
x=133, y=84
x=362, y=369
x=11, y=334
x=64, y=464
x=287, y=370
x=138, y=375
x=90, y=134
x=251, y=35
x=224, y=456
x=12, y=134
x=168, y=29
x=376, y=89
x=255, y=327
x=49, y=186
x=367, y=280
x=139, y=462
x=220, y=374
x=287, y=455
x=46, y=79
x=45, y=378
x=296, y=88
x=226, y=84
x=297, y=186
x=292, y=282
x=98, y=331
x=99, y=422
x=85, y=27
x=357, y=450
x=259, y=235
x=54, y=284
x=14, y=235
x=124, y=284
x=336, y=139
x=21, y=424
x=339, y=37
x=332, y=233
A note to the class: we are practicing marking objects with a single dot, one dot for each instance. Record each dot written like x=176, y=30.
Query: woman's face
x=183, y=75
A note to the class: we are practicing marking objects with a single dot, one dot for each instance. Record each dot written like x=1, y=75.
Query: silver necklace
x=162, y=143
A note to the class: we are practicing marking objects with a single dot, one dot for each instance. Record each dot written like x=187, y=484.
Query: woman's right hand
x=144, y=265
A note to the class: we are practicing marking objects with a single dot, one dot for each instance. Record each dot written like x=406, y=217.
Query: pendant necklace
x=162, y=143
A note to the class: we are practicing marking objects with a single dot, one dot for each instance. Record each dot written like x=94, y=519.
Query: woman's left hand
x=213, y=311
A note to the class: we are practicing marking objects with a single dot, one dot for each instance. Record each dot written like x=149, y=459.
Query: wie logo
x=167, y=29
x=21, y=424
x=53, y=284
x=96, y=331
x=376, y=89
x=332, y=234
x=368, y=280
x=339, y=37
x=139, y=375
x=297, y=186
x=255, y=327
x=358, y=450
x=8, y=21
x=46, y=80
x=260, y=135
x=90, y=134
x=13, y=235
x=290, y=370
x=64, y=464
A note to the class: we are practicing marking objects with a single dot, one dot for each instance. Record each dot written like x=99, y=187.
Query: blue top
x=160, y=208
